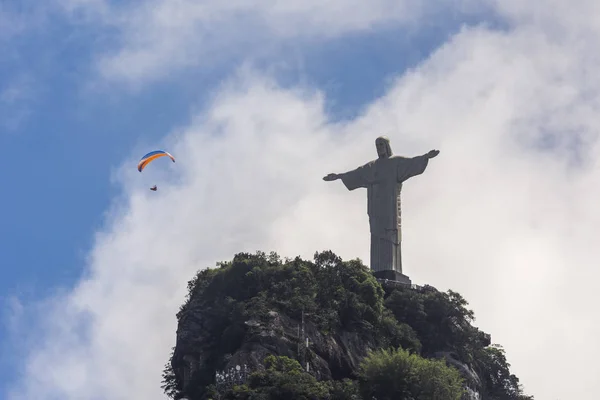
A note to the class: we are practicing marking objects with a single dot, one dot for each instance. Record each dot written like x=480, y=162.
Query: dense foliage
x=397, y=374
x=408, y=325
x=284, y=378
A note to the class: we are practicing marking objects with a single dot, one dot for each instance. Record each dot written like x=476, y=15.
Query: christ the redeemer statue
x=383, y=180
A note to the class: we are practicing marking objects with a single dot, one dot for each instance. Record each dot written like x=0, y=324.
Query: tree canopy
x=407, y=326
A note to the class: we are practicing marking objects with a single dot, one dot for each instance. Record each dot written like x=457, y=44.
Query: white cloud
x=509, y=225
x=161, y=36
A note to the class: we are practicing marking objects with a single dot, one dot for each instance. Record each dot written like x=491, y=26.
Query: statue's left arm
x=409, y=167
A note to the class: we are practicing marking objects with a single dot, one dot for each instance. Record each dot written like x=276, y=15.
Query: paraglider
x=148, y=158
x=153, y=155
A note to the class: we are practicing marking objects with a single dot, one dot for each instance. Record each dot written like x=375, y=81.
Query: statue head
x=384, y=150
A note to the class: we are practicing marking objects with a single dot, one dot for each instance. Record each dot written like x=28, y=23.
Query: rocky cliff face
x=329, y=357
x=473, y=384
x=222, y=338
x=335, y=356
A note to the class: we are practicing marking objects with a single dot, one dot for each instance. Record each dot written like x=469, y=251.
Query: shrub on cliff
x=283, y=378
x=384, y=374
x=397, y=374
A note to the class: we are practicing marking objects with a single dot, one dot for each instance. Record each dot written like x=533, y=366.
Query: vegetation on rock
x=397, y=374
x=233, y=306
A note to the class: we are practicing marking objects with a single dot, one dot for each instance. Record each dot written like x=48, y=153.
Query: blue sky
x=81, y=95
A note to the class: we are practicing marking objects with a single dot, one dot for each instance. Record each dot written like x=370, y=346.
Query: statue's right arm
x=332, y=177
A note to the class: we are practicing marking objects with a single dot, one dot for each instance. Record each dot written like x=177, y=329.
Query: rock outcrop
x=239, y=314
x=329, y=357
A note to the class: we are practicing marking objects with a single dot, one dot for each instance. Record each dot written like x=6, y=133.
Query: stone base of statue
x=392, y=275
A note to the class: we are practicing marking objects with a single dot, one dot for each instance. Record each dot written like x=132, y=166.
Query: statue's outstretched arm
x=432, y=153
x=331, y=177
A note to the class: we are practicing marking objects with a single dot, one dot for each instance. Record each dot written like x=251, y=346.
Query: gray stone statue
x=383, y=180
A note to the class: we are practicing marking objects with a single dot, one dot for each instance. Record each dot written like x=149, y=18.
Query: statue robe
x=383, y=180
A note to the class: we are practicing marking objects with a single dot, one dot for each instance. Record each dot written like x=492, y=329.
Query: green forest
x=366, y=339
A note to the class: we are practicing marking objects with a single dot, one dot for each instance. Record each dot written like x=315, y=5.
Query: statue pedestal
x=392, y=275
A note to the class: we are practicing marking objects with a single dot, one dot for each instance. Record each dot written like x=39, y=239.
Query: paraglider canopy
x=153, y=155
